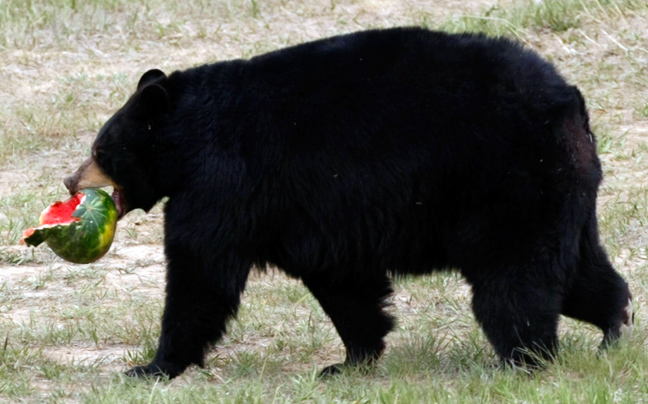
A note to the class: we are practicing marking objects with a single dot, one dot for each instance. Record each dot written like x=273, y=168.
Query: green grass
x=556, y=16
x=68, y=332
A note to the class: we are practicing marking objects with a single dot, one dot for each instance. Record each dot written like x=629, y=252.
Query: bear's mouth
x=120, y=202
x=91, y=175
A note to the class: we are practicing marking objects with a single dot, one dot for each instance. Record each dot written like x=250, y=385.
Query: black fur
x=351, y=159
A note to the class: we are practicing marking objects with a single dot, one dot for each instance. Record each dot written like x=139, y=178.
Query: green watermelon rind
x=86, y=240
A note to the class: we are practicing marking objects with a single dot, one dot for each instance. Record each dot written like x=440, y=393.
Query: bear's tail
x=580, y=143
x=582, y=110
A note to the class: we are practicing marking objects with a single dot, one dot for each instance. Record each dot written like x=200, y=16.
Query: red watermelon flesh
x=57, y=213
x=61, y=212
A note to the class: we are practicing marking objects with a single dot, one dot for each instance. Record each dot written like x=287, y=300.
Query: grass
x=556, y=16
x=68, y=332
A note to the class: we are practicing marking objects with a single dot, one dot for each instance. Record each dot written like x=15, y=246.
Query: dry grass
x=68, y=331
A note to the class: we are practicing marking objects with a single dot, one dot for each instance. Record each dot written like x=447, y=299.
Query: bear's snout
x=88, y=175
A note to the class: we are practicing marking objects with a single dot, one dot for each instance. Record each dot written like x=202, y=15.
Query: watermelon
x=80, y=229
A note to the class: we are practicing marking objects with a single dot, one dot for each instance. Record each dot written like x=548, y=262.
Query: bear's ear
x=149, y=77
x=153, y=101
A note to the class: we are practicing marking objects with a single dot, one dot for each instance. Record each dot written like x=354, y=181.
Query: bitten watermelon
x=80, y=229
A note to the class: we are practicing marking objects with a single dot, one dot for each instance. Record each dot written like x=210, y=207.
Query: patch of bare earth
x=109, y=357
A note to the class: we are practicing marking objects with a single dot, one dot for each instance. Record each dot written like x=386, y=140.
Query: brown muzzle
x=89, y=175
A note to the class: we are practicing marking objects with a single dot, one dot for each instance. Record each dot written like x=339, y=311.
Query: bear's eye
x=98, y=154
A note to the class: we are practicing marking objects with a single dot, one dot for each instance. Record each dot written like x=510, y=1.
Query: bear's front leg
x=200, y=297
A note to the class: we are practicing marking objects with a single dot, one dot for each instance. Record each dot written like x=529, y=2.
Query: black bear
x=351, y=159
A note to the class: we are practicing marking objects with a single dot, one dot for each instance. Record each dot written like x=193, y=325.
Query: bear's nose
x=70, y=183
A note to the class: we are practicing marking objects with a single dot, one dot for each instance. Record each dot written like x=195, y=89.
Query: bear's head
x=124, y=151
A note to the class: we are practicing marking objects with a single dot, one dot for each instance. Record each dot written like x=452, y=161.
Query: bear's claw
x=623, y=329
x=153, y=370
x=626, y=328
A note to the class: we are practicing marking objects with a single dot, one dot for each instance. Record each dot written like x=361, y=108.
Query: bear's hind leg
x=199, y=301
x=519, y=313
x=598, y=294
x=356, y=309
